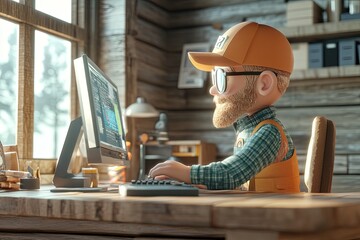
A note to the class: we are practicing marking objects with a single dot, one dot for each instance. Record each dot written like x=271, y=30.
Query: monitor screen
x=101, y=114
x=100, y=125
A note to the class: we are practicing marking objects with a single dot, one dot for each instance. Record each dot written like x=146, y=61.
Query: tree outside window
x=8, y=81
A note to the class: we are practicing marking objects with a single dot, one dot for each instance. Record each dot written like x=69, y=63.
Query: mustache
x=220, y=100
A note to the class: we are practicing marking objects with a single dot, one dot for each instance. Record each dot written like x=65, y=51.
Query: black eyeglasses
x=219, y=78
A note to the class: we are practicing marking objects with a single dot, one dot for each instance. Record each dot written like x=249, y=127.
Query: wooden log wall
x=156, y=32
x=111, y=48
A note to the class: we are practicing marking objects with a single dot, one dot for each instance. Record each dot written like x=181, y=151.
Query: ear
x=266, y=83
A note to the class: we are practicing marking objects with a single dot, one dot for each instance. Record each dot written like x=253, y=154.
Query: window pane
x=60, y=9
x=8, y=81
x=52, y=94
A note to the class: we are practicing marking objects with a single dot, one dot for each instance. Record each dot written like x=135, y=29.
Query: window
x=52, y=94
x=52, y=8
x=8, y=81
x=37, y=99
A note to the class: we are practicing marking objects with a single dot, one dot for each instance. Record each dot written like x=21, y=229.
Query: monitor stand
x=62, y=178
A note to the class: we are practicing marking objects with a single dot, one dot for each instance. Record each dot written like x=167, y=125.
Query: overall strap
x=283, y=145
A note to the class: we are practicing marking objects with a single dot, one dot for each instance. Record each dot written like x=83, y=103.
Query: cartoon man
x=250, y=65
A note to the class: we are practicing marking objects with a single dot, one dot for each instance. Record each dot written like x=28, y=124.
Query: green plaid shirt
x=257, y=152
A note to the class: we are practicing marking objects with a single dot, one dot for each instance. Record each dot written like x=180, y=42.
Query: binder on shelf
x=331, y=53
x=348, y=52
x=316, y=55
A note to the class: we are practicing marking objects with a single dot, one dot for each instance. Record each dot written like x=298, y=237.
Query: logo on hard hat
x=221, y=42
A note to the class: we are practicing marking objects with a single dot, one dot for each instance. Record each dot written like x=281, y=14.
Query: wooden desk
x=45, y=215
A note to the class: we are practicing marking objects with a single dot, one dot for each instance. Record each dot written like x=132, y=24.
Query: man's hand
x=171, y=169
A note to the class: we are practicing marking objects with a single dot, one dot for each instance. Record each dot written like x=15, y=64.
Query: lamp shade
x=141, y=109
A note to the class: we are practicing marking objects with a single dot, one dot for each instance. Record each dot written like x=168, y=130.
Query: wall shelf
x=326, y=73
x=322, y=31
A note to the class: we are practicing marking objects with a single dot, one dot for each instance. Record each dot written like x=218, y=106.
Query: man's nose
x=213, y=91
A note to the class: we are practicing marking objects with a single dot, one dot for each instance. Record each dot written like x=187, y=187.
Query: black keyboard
x=157, y=188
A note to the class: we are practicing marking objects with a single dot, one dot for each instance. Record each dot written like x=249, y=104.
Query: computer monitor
x=100, y=124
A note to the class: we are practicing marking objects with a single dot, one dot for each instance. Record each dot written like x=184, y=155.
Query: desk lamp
x=141, y=109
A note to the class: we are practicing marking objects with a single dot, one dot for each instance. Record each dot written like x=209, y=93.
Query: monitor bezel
x=87, y=108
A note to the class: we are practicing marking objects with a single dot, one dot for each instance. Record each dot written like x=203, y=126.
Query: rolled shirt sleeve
x=259, y=151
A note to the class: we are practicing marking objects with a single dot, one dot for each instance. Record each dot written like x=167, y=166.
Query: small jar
x=93, y=174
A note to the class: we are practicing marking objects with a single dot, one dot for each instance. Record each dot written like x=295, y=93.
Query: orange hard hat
x=247, y=43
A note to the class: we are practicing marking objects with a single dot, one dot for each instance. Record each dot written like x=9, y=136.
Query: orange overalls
x=280, y=176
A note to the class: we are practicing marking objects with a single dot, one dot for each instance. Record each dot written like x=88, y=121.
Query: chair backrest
x=319, y=165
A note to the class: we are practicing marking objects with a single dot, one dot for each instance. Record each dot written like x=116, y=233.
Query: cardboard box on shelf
x=301, y=55
x=303, y=13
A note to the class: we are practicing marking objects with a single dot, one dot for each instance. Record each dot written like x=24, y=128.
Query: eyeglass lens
x=219, y=77
x=219, y=80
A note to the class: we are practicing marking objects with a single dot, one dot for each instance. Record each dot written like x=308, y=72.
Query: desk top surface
x=282, y=212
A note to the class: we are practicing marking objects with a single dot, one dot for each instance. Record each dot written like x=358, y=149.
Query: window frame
x=29, y=20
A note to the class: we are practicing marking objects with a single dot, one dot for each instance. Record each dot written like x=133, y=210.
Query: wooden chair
x=319, y=165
